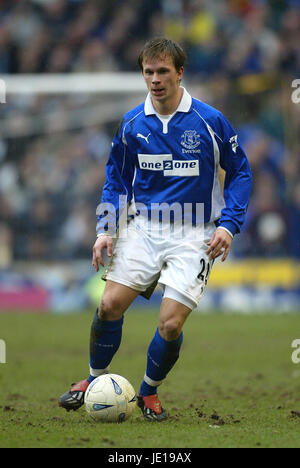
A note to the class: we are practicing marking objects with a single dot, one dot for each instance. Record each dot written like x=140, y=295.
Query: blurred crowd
x=61, y=36
x=242, y=58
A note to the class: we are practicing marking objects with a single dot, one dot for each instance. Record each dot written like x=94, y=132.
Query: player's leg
x=186, y=273
x=105, y=339
x=132, y=269
x=106, y=329
x=163, y=352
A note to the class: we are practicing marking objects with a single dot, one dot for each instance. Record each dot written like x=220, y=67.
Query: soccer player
x=165, y=158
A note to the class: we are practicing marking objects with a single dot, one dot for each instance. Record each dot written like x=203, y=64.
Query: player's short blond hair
x=162, y=47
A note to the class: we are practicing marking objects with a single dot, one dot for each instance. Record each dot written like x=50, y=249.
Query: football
x=110, y=398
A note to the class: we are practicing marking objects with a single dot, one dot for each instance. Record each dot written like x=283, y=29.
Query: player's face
x=163, y=80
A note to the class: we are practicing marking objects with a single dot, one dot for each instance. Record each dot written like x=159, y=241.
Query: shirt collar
x=184, y=105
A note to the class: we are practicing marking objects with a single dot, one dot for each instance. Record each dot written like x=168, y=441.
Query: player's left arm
x=237, y=190
x=219, y=244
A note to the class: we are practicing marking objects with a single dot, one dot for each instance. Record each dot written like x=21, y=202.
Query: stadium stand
x=243, y=57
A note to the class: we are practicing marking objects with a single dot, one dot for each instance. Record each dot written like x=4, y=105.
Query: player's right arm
x=118, y=183
x=102, y=242
x=119, y=176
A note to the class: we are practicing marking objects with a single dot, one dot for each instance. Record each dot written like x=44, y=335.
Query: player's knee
x=170, y=329
x=110, y=308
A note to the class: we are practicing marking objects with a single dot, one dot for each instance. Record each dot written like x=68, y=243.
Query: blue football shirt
x=175, y=160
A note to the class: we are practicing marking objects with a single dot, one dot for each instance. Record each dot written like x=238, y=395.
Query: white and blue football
x=110, y=398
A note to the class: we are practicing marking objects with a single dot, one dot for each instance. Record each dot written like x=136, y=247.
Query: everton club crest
x=190, y=140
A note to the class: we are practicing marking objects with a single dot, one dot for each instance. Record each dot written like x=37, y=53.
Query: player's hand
x=219, y=244
x=103, y=242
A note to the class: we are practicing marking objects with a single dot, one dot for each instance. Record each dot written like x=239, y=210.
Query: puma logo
x=139, y=135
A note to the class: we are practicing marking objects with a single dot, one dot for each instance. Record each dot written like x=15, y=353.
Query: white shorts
x=152, y=253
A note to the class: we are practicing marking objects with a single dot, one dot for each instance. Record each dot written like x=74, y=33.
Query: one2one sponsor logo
x=2, y=352
x=169, y=166
x=296, y=353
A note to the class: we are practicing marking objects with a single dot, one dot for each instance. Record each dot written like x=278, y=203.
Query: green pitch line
x=235, y=384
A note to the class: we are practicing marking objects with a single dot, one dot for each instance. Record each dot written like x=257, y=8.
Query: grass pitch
x=233, y=386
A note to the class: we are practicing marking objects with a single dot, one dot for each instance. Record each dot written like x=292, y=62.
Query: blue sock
x=105, y=340
x=162, y=355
